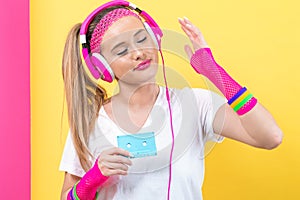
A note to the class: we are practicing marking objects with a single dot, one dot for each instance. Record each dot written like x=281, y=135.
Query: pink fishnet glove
x=204, y=63
x=87, y=187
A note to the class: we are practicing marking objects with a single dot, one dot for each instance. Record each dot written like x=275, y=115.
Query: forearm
x=257, y=128
x=261, y=126
x=64, y=194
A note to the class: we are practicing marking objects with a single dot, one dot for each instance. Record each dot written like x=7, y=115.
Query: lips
x=143, y=65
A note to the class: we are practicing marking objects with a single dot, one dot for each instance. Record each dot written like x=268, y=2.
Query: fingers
x=193, y=33
x=117, y=151
x=111, y=172
x=109, y=169
x=114, y=161
x=188, y=51
x=188, y=27
x=111, y=165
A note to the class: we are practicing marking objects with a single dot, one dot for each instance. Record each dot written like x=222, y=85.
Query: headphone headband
x=87, y=21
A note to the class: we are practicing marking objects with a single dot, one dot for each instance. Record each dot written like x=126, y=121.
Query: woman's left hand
x=194, y=35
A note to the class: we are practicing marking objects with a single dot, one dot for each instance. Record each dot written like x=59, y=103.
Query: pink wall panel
x=14, y=100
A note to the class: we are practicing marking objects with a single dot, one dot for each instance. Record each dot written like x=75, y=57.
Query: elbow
x=275, y=140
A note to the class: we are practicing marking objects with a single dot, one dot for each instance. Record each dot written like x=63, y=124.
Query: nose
x=138, y=54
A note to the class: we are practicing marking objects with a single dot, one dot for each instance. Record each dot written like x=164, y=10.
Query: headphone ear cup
x=103, y=67
x=153, y=34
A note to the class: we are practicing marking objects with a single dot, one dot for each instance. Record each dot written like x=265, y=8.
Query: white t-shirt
x=193, y=111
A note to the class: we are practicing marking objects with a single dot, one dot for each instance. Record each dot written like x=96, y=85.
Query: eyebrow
x=121, y=43
x=138, y=32
x=116, y=46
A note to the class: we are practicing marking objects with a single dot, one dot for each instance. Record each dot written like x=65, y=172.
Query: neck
x=137, y=95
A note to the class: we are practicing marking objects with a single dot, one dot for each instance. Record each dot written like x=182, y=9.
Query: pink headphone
x=96, y=63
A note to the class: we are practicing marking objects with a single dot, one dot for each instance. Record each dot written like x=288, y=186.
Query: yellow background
x=256, y=41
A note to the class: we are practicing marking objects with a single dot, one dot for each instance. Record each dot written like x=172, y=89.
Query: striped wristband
x=242, y=102
x=74, y=192
x=74, y=195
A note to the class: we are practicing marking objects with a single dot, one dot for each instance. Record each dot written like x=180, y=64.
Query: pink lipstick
x=143, y=65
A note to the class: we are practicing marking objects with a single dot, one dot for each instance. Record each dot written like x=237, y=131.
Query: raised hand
x=194, y=35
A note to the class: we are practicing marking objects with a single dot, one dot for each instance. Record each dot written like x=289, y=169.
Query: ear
x=103, y=67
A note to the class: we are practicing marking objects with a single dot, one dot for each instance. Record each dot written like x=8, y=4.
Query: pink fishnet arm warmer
x=87, y=187
x=204, y=63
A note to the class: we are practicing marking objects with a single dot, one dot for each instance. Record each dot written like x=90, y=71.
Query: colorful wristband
x=74, y=195
x=240, y=99
x=74, y=192
x=248, y=106
x=237, y=95
x=70, y=195
x=242, y=103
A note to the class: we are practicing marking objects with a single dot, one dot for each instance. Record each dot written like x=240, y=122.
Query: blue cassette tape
x=139, y=145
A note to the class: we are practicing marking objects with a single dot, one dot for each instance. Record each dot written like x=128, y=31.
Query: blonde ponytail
x=84, y=97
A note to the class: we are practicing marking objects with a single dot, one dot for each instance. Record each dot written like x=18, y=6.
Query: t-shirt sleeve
x=208, y=103
x=70, y=162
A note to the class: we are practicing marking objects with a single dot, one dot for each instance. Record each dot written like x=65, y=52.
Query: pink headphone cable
x=171, y=123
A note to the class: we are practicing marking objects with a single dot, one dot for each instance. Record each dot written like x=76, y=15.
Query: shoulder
x=196, y=93
x=200, y=97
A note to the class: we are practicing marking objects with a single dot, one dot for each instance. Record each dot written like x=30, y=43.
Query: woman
x=94, y=164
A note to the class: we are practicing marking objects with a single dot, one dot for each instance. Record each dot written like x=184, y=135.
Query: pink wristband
x=247, y=107
x=70, y=197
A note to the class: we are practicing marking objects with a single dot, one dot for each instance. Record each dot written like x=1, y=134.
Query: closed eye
x=142, y=40
x=122, y=52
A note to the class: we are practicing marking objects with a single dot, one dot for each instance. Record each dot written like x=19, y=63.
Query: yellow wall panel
x=257, y=42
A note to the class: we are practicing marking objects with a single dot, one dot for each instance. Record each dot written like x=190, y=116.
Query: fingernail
x=186, y=18
x=179, y=18
x=131, y=155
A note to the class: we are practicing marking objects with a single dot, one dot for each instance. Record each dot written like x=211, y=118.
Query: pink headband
x=105, y=23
